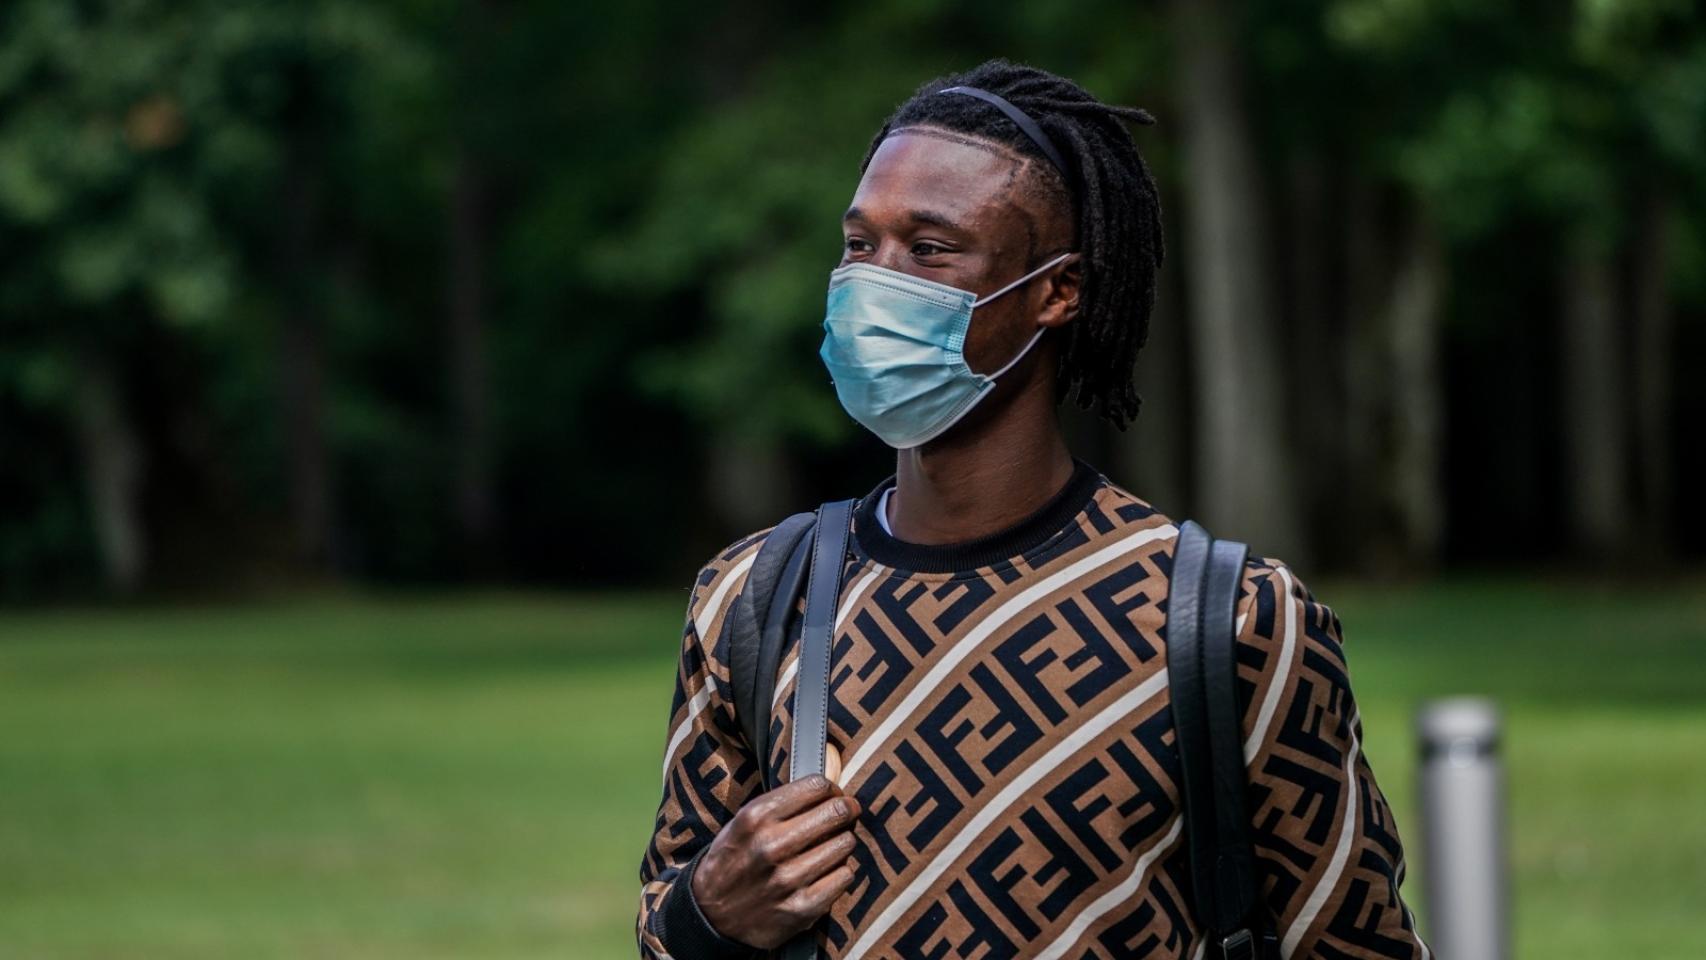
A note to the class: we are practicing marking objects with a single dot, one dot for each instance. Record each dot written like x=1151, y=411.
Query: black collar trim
x=985, y=551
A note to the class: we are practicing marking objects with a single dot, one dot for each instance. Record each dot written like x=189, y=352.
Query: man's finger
x=815, y=900
x=787, y=799
x=815, y=861
x=833, y=815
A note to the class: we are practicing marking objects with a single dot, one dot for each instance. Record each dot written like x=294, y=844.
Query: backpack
x=807, y=549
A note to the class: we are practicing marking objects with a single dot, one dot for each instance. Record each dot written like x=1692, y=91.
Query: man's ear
x=1061, y=294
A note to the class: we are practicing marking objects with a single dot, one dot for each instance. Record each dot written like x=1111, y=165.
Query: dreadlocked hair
x=1108, y=193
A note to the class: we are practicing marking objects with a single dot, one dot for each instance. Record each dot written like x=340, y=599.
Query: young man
x=1007, y=785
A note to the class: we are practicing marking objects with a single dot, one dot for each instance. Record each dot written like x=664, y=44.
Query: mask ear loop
x=1040, y=330
x=1021, y=354
x=980, y=302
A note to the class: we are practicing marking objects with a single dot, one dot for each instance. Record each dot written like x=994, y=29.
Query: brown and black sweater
x=1001, y=708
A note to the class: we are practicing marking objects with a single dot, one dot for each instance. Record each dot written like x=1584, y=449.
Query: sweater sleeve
x=708, y=772
x=1329, y=859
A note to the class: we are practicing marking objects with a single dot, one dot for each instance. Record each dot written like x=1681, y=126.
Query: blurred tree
x=745, y=219
x=1650, y=61
x=105, y=233
x=137, y=142
x=467, y=296
x=1245, y=471
x=428, y=289
x=1589, y=119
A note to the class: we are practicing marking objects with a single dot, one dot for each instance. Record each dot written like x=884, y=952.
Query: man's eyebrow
x=929, y=217
x=934, y=219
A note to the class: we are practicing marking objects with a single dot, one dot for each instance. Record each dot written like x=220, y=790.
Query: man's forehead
x=929, y=168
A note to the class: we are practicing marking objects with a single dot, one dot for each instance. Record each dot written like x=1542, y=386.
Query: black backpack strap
x=1190, y=713
x=1235, y=859
x=811, y=683
x=1202, y=662
x=772, y=635
x=753, y=685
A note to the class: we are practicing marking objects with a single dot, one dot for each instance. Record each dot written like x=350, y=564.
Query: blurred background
x=375, y=374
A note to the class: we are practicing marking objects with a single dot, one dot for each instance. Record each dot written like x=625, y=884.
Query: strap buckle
x=1238, y=945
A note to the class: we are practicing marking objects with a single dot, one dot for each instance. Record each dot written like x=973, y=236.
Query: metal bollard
x=1463, y=830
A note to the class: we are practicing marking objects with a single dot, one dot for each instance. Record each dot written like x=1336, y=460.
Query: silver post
x=1462, y=797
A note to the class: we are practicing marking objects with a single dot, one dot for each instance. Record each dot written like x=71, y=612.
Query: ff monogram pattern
x=1007, y=733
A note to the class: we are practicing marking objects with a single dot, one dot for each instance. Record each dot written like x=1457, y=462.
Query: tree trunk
x=112, y=474
x=1414, y=471
x=471, y=438
x=1245, y=475
x=302, y=365
x=310, y=469
x=1367, y=387
x=1596, y=441
x=1393, y=505
x=1654, y=384
x=1314, y=344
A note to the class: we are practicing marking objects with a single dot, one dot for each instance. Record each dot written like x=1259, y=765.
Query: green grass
x=476, y=776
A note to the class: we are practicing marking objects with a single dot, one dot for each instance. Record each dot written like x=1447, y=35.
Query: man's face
x=948, y=208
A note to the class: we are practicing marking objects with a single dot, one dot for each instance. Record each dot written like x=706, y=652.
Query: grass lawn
x=476, y=776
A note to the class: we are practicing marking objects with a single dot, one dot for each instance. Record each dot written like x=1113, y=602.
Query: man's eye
x=855, y=245
x=925, y=248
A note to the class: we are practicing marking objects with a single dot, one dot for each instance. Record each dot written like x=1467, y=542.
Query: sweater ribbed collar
x=1006, y=544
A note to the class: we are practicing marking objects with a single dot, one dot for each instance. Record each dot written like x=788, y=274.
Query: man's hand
x=779, y=864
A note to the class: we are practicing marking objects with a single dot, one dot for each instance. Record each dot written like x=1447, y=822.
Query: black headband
x=1025, y=123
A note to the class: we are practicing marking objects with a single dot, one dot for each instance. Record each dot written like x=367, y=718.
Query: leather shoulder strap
x=746, y=622
x=1202, y=663
x=1234, y=858
x=1190, y=714
x=772, y=637
x=811, y=683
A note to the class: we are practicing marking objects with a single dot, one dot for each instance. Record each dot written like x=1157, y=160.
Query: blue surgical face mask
x=894, y=345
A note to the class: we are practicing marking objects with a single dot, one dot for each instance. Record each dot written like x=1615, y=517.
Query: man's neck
x=983, y=478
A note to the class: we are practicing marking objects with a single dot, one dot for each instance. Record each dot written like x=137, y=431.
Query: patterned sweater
x=1001, y=709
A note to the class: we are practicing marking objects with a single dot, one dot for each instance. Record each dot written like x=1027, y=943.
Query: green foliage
x=1559, y=115
x=184, y=182
x=746, y=214
x=141, y=148
x=126, y=126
